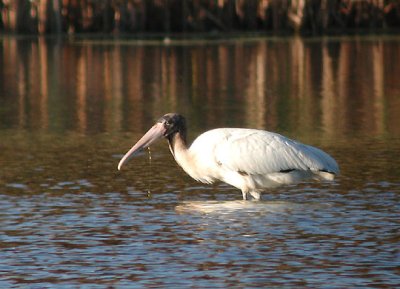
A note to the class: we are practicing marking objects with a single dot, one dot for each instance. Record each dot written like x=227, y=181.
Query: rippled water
x=69, y=219
x=307, y=237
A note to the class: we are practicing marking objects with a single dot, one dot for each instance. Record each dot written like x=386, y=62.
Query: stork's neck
x=185, y=158
x=177, y=143
x=182, y=155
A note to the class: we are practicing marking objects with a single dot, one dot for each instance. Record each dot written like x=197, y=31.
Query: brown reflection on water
x=330, y=86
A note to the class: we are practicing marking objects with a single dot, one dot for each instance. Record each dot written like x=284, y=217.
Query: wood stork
x=249, y=159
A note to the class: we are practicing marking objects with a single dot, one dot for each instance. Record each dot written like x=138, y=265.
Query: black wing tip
x=285, y=171
x=327, y=171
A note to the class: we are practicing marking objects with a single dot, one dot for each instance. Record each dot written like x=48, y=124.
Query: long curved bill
x=155, y=133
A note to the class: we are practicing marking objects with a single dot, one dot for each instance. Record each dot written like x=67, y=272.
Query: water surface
x=69, y=109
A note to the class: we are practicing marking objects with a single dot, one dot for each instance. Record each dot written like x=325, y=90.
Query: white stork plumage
x=249, y=159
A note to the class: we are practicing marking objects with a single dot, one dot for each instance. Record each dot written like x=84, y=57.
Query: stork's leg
x=256, y=195
x=251, y=195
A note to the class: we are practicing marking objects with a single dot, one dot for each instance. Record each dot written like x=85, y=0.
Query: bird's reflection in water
x=228, y=207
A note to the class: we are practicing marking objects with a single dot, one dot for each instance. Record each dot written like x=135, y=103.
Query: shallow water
x=69, y=110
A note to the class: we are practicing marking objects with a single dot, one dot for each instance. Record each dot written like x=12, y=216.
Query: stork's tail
x=324, y=176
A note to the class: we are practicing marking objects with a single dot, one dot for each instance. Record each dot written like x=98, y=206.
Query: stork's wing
x=261, y=152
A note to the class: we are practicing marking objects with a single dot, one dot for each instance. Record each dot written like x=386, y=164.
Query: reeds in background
x=176, y=16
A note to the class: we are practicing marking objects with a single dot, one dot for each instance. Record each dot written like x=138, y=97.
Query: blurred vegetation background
x=312, y=17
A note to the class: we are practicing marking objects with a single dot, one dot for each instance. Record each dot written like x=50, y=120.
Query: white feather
x=252, y=160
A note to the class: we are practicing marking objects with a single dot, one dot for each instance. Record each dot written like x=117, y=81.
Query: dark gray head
x=173, y=123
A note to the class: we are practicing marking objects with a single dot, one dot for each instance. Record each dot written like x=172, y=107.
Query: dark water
x=69, y=109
